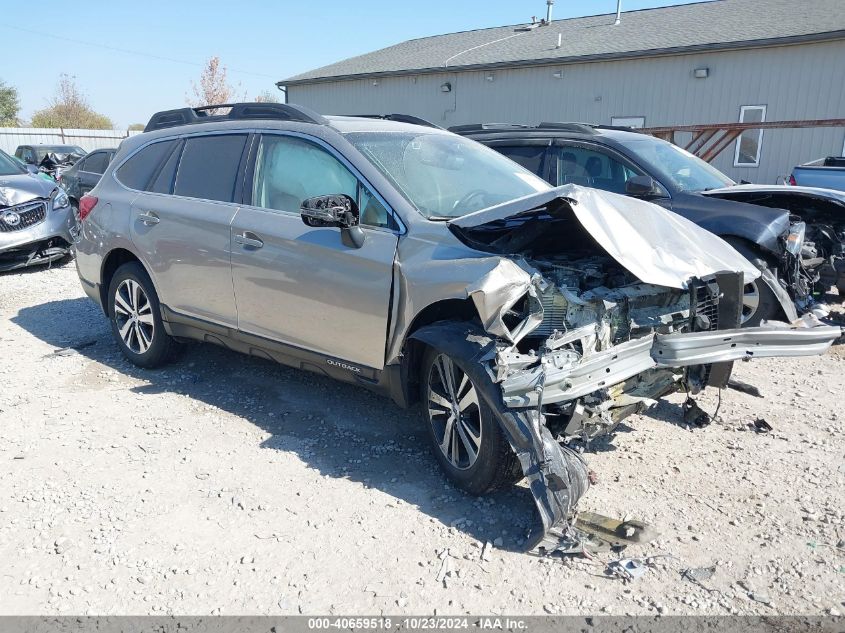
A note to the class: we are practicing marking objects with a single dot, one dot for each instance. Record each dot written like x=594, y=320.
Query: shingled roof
x=717, y=24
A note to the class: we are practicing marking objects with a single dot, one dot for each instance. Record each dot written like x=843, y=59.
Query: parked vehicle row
x=796, y=238
x=50, y=159
x=37, y=222
x=523, y=317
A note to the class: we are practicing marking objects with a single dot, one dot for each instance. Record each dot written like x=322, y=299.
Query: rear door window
x=591, y=167
x=209, y=167
x=95, y=163
x=137, y=172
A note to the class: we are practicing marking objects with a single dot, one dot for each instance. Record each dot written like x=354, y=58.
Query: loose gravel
x=227, y=484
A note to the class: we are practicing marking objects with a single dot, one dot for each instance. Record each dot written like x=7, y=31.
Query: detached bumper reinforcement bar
x=628, y=359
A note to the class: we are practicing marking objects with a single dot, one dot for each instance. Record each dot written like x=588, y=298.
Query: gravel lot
x=226, y=484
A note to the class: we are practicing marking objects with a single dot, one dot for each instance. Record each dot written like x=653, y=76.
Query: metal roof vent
x=618, y=12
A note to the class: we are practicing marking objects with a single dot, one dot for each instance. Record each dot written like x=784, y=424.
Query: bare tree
x=213, y=88
x=70, y=109
x=267, y=97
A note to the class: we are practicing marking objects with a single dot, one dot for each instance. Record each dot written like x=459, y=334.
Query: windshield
x=443, y=175
x=685, y=171
x=10, y=166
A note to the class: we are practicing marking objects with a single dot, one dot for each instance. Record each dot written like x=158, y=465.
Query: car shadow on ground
x=341, y=430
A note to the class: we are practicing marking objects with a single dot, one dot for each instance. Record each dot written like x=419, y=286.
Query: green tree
x=9, y=105
x=70, y=109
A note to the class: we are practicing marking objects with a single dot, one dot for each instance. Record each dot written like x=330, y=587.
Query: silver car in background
x=424, y=266
x=37, y=222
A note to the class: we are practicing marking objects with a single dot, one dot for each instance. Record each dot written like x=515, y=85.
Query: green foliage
x=70, y=109
x=9, y=105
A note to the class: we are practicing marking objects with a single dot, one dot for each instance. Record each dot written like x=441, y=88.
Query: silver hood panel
x=23, y=188
x=657, y=246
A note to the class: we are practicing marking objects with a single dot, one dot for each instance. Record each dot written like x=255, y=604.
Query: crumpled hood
x=657, y=246
x=23, y=188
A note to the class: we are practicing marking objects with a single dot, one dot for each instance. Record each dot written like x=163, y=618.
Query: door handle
x=247, y=238
x=149, y=218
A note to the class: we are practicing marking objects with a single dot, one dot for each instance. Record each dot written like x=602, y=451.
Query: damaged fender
x=557, y=475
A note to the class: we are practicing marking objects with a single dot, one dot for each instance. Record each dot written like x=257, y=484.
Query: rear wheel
x=136, y=318
x=465, y=438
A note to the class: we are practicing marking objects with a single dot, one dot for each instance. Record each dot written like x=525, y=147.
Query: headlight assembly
x=61, y=200
x=795, y=239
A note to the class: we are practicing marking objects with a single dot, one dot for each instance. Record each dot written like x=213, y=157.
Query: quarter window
x=289, y=170
x=136, y=172
x=209, y=167
x=529, y=156
x=750, y=141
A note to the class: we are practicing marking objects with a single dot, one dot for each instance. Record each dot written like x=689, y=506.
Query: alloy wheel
x=750, y=301
x=454, y=413
x=133, y=315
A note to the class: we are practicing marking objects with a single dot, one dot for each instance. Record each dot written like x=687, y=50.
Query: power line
x=129, y=52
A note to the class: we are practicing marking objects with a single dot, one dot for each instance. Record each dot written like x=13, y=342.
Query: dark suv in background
x=754, y=219
x=85, y=173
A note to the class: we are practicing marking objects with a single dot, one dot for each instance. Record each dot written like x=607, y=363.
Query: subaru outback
x=422, y=265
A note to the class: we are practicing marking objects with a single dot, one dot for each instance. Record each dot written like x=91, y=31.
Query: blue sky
x=259, y=42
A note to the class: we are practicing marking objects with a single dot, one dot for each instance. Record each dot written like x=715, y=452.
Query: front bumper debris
x=559, y=378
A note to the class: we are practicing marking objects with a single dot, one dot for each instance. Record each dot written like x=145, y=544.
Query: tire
x=494, y=465
x=137, y=314
x=759, y=303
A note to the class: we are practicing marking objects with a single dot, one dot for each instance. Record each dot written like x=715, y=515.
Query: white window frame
x=628, y=121
x=742, y=111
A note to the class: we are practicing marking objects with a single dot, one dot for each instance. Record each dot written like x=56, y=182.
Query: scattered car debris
x=699, y=575
x=70, y=350
x=761, y=426
x=627, y=568
x=694, y=415
x=744, y=387
x=614, y=532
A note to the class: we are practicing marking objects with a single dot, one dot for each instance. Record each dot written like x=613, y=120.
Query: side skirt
x=386, y=382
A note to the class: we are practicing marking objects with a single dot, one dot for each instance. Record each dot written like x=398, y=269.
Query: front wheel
x=759, y=303
x=465, y=438
x=136, y=318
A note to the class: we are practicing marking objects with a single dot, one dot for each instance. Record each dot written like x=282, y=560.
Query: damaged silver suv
x=427, y=267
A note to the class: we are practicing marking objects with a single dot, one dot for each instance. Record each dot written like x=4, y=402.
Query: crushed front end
x=574, y=339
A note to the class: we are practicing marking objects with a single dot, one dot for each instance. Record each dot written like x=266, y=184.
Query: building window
x=628, y=121
x=750, y=142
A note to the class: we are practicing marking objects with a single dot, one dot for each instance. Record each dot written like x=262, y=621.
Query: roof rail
x=237, y=112
x=401, y=118
x=482, y=127
x=581, y=128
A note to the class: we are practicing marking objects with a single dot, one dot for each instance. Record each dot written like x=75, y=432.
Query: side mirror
x=640, y=187
x=337, y=210
x=32, y=169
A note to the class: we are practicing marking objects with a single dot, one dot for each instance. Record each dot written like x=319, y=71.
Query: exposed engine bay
x=598, y=306
x=818, y=261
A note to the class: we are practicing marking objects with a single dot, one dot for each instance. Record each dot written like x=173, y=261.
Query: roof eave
x=677, y=50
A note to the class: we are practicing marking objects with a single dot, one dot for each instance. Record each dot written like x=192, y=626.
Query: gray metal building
x=710, y=62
